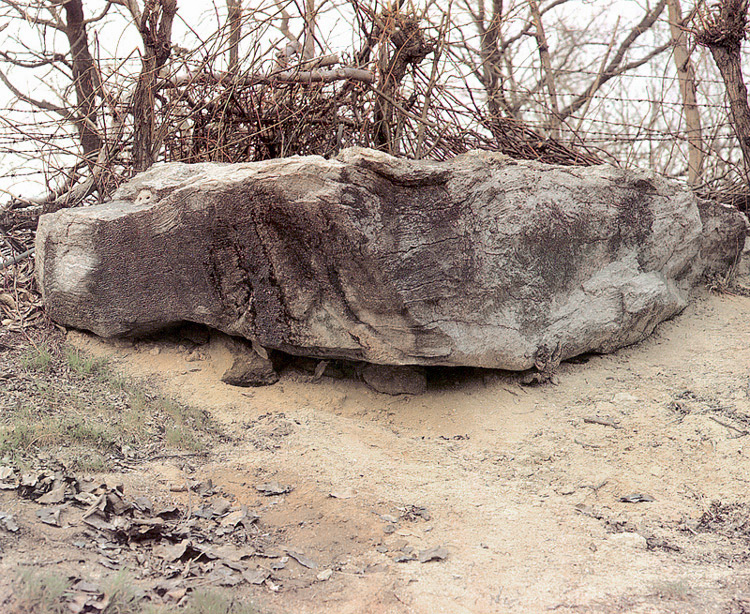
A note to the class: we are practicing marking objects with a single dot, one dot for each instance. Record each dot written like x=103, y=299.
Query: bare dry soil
x=624, y=487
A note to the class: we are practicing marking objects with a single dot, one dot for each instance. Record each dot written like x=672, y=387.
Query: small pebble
x=632, y=540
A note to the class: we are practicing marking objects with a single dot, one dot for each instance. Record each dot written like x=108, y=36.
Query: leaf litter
x=216, y=542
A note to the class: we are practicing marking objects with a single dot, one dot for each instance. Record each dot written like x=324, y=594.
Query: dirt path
x=521, y=486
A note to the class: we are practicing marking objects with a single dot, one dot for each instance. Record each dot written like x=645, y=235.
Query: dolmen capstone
x=481, y=260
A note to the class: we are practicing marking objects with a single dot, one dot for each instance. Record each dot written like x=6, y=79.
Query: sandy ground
x=522, y=486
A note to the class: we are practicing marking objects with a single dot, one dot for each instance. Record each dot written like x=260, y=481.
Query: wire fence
x=437, y=108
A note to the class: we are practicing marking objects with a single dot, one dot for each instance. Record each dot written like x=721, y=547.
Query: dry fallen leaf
x=171, y=552
x=55, y=495
x=438, y=553
x=272, y=488
x=8, y=522
x=257, y=576
x=346, y=493
x=302, y=559
x=175, y=594
x=8, y=300
x=50, y=516
x=325, y=575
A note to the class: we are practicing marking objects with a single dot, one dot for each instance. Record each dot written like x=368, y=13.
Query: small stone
x=248, y=367
x=346, y=493
x=566, y=489
x=269, y=489
x=630, y=540
x=325, y=575
x=625, y=397
x=637, y=497
x=155, y=351
x=438, y=553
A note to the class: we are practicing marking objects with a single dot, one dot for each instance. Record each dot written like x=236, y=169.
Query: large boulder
x=480, y=260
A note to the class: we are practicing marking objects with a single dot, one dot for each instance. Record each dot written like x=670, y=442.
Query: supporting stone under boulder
x=247, y=366
x=480, y=261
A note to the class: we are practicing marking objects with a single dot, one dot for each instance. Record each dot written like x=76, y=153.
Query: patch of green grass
x=19, y=432
x=90, y=461
x=85, y=365
x=37, y=358
x=214, y=602
x=182, y=438
x=41, y=593
x=50, y=593
x=28, y=427
x=124, y=596
x=184, y=422
x=89, y=433
x=673, y=590
x=89, y=412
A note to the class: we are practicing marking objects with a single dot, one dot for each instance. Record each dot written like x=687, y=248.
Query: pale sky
x=197, y=20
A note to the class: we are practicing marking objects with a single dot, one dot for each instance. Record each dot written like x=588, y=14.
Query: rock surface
x=481, y=260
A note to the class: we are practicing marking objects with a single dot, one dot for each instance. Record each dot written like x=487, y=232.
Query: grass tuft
x=41, y=593
x=37, y=358
x=673, y=590
x=84, y=365
x=91, y=421
x=124, y=597
x=213, y=602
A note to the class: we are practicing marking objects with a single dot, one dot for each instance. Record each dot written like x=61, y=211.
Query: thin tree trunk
x=409, y=49
x=686, y=77
x=85, y=79
x=729, y=63
x=311, y=15
x=723, y=30
x=234, y=20
x=492, y=57
x=156, y=32
x=617, y=65
x=549, y=77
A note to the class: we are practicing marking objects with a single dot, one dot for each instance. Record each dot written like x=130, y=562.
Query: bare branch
x=101, y=15
x=28, y=18
x=57, y=58
x=285, y=76
x=615, y=66
x=41, y=104
x=549, y=76
x=133, y=9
